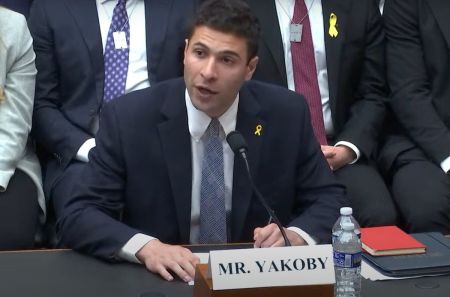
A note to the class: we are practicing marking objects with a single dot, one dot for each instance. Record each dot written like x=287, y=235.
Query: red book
x=389, y=240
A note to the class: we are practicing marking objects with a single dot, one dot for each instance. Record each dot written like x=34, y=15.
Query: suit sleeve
x=319, y=196
x=17, y=107
x=51, y=128
x=368, y=109
x=90, y=222
x=412, y=101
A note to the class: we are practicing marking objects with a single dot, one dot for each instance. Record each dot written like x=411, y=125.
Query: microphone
x=238, y=145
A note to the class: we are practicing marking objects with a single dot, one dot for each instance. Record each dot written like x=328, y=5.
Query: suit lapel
x=248, y=118
x=86, y=18
x=333, y=45
x=176, y=143
x=441, y=11
x=157, y=14
x=266, y=12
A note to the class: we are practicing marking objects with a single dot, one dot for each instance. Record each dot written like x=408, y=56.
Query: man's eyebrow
x=225, y=52
x=230, y=53
x=199, y=43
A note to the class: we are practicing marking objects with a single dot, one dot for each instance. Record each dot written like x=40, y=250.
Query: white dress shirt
x=137, y=76
x=381, y=6
x=198, y=122
x=285, y=12
x=445, y=165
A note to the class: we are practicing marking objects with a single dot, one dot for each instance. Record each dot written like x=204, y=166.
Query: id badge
x=120, y=40
x=296, y=31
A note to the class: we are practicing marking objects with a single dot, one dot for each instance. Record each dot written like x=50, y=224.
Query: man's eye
x=227, y=60
x=199, y=53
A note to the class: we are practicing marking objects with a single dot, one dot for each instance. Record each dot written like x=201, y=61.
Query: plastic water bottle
x=346, y=216
x=347, y=262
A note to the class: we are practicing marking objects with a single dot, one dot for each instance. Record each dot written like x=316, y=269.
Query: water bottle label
x=335, y=235
x=347, y=260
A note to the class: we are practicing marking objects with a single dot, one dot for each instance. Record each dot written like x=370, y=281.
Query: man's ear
x=251, y=67
x=186, y=45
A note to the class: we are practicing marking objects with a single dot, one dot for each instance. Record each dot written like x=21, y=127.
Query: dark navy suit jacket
x=70, y=79
x=139, y=176
x=418, y=59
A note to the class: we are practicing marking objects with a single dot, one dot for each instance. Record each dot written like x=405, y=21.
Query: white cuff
x=309, y=240
x=352, y=147
x=129, y=250
x=445, y=165
x=83, y=152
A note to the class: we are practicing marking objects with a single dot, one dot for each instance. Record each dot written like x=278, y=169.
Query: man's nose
x=209, y=70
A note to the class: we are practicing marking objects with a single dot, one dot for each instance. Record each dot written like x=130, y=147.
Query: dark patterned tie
x=116, y=53
x=213, y=227
x=305, y=73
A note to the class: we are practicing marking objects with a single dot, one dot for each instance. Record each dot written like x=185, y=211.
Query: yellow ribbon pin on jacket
x=333, y=22
x=258, y=130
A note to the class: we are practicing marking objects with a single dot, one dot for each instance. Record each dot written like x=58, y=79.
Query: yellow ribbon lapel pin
x=332, y=31
x=258, y=130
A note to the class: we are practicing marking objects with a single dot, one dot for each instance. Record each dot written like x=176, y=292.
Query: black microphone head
x=237, y=142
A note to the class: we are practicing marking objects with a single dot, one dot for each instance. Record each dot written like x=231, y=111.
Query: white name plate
x=271, y=267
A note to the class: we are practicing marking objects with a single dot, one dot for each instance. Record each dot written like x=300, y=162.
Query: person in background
x=22, y=203
x=162, y=173
x=416, y=153
x=332, y=52
x=88, y=53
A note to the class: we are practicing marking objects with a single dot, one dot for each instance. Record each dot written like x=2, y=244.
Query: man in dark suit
x=76, y=44
x=159, y=171
x=344, y=41
x=417, y=151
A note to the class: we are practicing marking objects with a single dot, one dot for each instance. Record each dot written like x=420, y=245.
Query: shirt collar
x=198, y=121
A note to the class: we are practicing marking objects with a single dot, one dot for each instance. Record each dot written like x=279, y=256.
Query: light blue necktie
x=213, y=227
x=116, y=59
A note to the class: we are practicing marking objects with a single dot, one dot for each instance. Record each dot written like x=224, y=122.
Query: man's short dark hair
x=229, y=16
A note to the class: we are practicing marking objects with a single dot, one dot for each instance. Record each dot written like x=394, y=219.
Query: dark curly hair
x=229, y=16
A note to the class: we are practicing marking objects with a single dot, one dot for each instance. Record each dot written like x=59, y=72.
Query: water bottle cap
x=346, y=211
x=348, y=226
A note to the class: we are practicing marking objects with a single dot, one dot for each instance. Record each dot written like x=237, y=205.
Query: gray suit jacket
x=17, y=80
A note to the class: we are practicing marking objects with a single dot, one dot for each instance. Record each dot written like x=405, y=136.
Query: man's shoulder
x=263, y=88
x=151, y=98
x=273, y=96
x=48, y=4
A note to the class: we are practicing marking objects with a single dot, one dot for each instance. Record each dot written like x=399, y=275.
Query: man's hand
x=270, y=236
x=160, y=258
x=338, y=156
